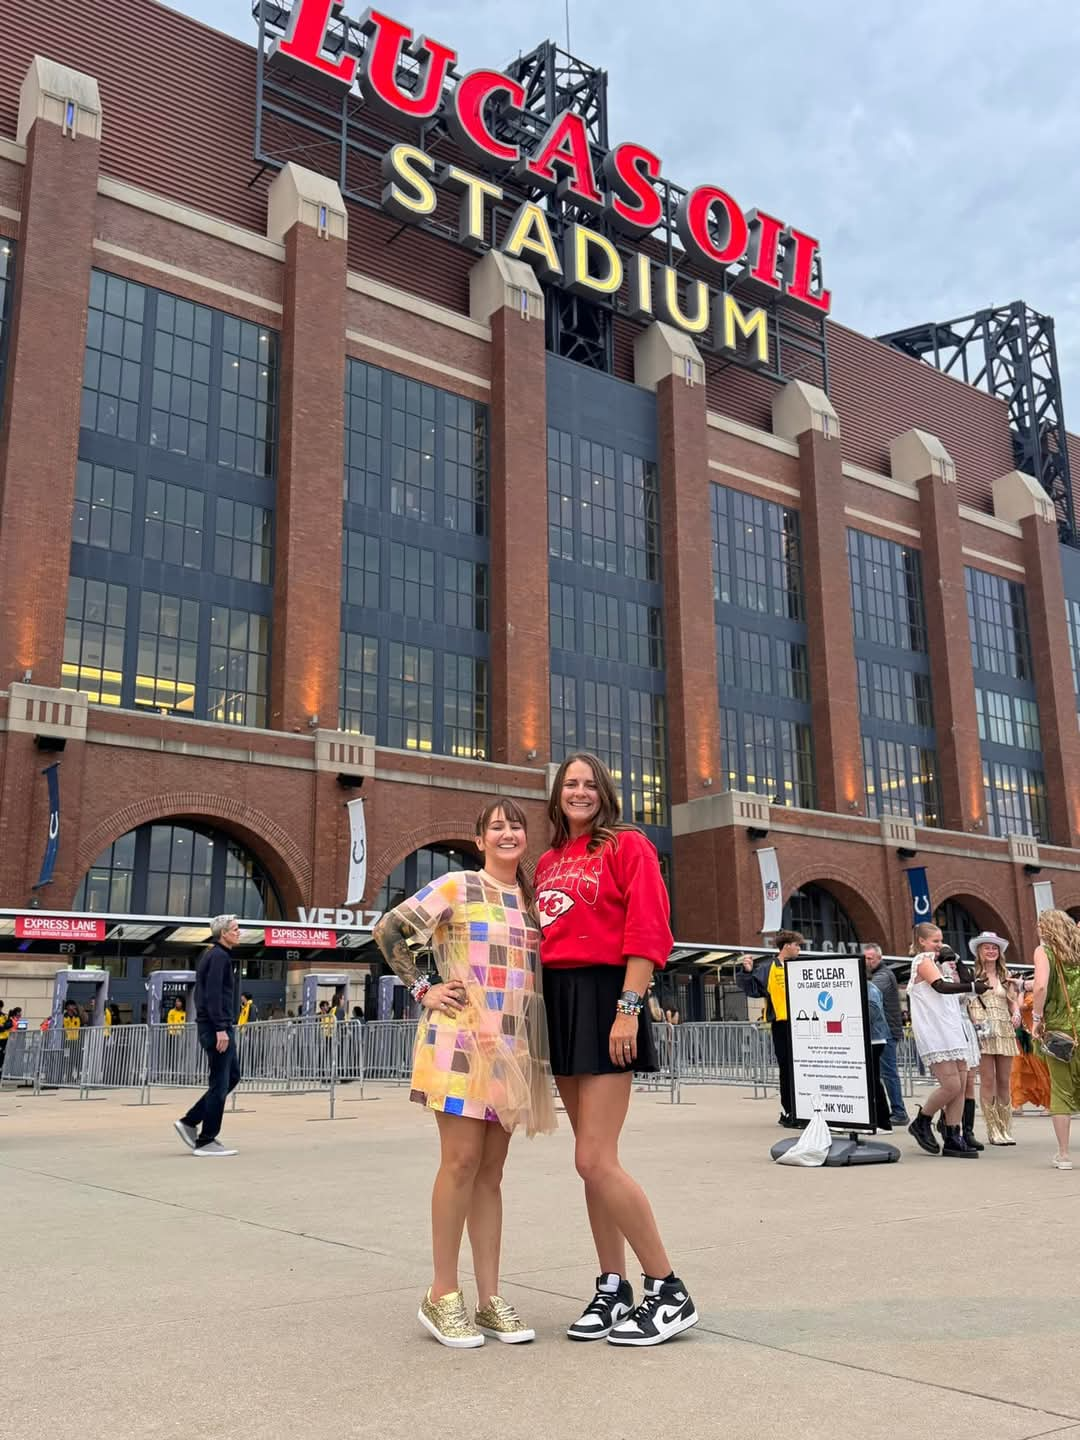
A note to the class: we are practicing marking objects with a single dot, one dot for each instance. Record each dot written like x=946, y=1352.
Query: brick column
x=921, y=460
x=1021, y=499
x=306, y=211
x=804, y=413
x=60, y=124
x=667, y=361
x=505, y=294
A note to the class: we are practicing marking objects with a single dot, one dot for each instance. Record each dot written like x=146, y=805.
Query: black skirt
x=580, y=1003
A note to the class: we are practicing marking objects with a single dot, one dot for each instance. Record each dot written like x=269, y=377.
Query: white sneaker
x=1061, y=1162
x=212, y=1147
x=188, y=1133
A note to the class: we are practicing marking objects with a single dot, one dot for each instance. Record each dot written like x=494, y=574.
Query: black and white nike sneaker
x=666, y=1310
x=613, y=1301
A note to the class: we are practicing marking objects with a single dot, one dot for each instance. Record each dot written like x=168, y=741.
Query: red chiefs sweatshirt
x=599, y=909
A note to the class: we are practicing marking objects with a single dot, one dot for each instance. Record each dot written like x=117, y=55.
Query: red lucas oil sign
x=622, y=187
x=58, y=927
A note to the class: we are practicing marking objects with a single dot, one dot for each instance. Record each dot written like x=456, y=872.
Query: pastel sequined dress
x=490, y=1061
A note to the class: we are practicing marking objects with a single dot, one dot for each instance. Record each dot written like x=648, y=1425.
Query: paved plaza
x=147, y=1294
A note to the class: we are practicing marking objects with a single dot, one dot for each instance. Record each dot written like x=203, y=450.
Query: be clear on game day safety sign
x=830, y=1039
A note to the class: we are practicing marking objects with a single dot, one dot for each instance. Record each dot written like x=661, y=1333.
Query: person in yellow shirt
x=177, y=1017
x=72, y=1022
x=767, y=981
x=247, y=1009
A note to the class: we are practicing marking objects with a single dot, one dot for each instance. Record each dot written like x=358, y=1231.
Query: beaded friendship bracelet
x=419, y=988
x=629, y=1003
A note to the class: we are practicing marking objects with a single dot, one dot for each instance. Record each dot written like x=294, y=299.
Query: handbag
x=1056, y=1042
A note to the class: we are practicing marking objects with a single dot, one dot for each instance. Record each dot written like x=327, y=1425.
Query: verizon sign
x=295, y=937
x=58, y=927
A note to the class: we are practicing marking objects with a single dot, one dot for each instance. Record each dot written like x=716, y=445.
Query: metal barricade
x=388, y=1050
x=174, y=1057
x=113, y=1059
x=267, y=1051
x=22, y=1058
x=666, y=1078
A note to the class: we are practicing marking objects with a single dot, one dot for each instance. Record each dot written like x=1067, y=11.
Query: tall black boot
x=954, y=1145
x=969, y=1126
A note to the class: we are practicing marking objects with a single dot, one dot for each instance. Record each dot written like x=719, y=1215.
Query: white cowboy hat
x=987, y=938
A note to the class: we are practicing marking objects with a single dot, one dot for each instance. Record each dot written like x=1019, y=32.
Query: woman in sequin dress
x=480, y=1060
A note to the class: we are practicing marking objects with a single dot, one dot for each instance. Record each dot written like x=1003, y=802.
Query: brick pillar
x=667, y=361
x=1020, y=498
x=60, y=124
x=306, y=211
x=804, y=413
x=921, y=460
x=505, y=294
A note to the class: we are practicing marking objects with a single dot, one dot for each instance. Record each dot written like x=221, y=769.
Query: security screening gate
x=63, y=1052
x=174, y=1055
x=336, y=984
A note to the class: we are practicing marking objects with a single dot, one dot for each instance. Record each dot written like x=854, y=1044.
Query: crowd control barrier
x=319, y=1053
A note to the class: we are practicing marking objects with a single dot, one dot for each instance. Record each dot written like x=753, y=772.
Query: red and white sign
x=58, y=927
x=294, y=937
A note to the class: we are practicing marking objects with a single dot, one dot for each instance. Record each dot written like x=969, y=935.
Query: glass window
x=766, y=755
x=464, y=594
x=648, y=758
x=755, y=669
x=180, y=404
x=411, y=697
x=243, y=541
x=103, y=500
x=901, y=697
x=603, y=725
x=412, y=449
x=465, y=707
x=757, y=555
x=1015, y=800
x=1072, y=620
x=94, y=640
x=112, y=371
x=644, y=635
x=107, y=885
x=359, y=684
x=641, y=517
x=173, y=526
x=465, y=467
x=180, y=866
x=886, y=592
x=239, y=667
x=248, y=385
x=363, y=434
x=792, y=670
x=561, y=605
x=600, y=625
x=360, y=559
x=168, y=653
x=901, y=779
x=560, y=464
x=818, y=916
x=998, y=625
x=564, y=726
x=412, y=582
x=725, y=655
x=598, y=513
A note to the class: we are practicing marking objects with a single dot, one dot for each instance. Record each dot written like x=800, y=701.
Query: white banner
x=1044, y=896
x=771, y=893
x=357, y=853
x=830, y=1039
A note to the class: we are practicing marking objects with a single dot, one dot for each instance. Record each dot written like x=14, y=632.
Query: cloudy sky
x=929, y=144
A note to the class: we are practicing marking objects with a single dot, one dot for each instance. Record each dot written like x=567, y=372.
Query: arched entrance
x=421, y=867
x=818, y=915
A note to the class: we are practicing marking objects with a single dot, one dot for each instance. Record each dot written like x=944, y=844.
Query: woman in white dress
x=943, y=1039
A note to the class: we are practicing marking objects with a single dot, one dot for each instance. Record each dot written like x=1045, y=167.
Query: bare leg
x=601, y=1111
x=988, y=1079
x=607, y=1237
x=462, y=1144
x=954, y=1108
x=1062, y=1125
x=485, y=1213
x=1003, y=1065
x=944, y=1073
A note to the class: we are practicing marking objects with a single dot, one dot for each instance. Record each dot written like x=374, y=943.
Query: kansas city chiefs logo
x=550, y=904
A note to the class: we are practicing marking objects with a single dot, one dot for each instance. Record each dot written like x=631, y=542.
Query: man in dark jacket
x=767, y=981
x=214, y=1014
x=883, y=979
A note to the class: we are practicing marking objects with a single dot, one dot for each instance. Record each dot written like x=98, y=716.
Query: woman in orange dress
x=1030, y=1077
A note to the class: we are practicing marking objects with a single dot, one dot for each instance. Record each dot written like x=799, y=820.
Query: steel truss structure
x=297, y=119
x=1009, y=351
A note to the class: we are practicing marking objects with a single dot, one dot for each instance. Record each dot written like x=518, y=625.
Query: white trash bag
x=812, y=1146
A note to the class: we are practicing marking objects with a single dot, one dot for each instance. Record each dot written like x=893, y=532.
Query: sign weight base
x=849, y=1150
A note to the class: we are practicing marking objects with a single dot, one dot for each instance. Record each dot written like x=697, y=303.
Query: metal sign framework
x=297, y=120
x=1009, y=351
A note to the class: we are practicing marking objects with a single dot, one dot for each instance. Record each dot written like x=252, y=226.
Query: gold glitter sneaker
x=448, y=1320
x=502, y=1322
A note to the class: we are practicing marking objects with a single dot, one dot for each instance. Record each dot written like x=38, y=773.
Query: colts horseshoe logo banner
x=920, y=895
x=48, y=863
x=357, y=853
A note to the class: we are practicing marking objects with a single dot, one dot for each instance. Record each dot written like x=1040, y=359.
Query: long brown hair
x=606, y=823
x=1060, y=934
x=512, y=812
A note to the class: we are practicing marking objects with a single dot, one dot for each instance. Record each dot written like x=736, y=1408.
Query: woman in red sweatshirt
x=603, y=910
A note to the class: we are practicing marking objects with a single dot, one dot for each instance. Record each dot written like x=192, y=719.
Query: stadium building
x=373, y=431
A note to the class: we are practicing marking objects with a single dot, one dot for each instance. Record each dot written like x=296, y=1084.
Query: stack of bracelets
x=629, y=1003
x=419, y=988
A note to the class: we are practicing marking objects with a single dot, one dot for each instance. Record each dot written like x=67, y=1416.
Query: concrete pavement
x=152, y=1295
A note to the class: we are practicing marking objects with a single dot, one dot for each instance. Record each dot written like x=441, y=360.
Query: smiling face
x=579, y=798
x=503, y=838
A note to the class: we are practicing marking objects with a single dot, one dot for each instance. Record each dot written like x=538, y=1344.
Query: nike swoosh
x=665, y=1317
